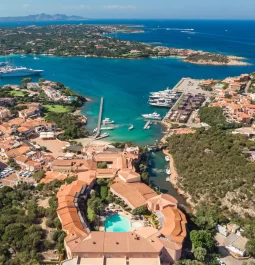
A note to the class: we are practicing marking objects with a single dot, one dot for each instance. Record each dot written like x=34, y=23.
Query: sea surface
x=125, y=84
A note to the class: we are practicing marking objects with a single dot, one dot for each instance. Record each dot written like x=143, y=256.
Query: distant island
x=97, y=41
x=41, y=17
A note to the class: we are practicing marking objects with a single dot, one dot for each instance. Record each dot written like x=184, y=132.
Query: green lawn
x=17, y=93
x=58, y=108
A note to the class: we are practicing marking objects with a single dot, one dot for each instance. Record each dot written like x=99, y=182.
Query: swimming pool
x=117, y=223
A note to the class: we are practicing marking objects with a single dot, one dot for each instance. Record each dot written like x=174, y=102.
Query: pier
x=147, y=125
x=99, y=118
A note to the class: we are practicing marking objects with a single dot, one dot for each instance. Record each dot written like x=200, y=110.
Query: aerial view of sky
x=172, y=9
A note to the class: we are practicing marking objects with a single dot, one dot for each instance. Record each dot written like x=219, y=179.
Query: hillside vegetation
x=212, y=168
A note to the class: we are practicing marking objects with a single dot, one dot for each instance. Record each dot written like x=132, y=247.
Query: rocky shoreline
x=174, y=179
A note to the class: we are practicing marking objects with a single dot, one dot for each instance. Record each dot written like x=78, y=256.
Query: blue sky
x=200, y=9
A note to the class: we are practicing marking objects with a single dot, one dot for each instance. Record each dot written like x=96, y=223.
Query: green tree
x=91, y=215
x=26, y=80
x=143, y=210
x=39, y=175
x=103, y=193
x=250, y=246
x=200, y=253
x=95, y=203
x=202, y=239
x=101, y=165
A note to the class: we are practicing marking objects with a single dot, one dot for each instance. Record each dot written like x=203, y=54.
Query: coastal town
x=82, y=190
x=98, y=41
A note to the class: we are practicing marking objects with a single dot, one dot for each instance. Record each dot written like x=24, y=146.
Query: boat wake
x=157, y=170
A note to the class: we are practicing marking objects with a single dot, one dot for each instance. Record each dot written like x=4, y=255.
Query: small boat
x=148, y=127
x=23, y=56
x=167, y=179
x=153, y=116
x=104, y=135
x=167, y=158
x=95, y=130
x=36, y=58
x=107, y=121
x=131, y=127
x=168, y=171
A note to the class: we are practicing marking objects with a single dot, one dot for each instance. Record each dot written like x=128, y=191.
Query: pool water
x=117, y=223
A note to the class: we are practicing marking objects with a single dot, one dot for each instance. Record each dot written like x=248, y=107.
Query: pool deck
x=121, y=212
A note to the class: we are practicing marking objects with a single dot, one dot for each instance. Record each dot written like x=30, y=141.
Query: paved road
x=247, y=86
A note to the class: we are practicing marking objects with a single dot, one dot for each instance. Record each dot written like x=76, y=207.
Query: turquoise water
x=158, y=177
x=125, y=84
x=117, y=223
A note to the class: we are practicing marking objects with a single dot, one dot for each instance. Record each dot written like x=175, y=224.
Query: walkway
x=100, y=117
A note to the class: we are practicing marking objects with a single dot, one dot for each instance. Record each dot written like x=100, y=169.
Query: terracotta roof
x=128, y=174
x=61, y=162
x=113, y=242
x=67, y=204
x=164, y=200
x=52, y=175
x=22, y=159
x=174, y=224
x=136, y=194
x=67, y=217
x=87, y=176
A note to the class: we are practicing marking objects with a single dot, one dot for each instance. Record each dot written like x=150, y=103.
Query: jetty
x=147, y=125
x=99, y=118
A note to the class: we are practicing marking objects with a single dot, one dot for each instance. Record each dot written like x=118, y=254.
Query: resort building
x=129, y=175
x=70, y=165
x=134, y=195
x=144, y=245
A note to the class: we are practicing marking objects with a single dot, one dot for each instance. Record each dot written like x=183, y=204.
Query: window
x=86, y=255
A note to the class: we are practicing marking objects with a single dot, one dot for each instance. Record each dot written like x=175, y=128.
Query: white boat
x=168, y=179
x=131, y=127
x=168, y=171
x=107, y=127
x=95, y=130
x=167, y=158
x=23, y=56
x=152, y=116
x=10, y=71
x=107, y=121
x=104, y=135
x=36, y=58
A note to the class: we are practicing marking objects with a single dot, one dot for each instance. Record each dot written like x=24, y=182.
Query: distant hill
x=42, y=17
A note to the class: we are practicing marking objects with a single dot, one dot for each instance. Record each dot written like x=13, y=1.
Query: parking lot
x=8, y=176
x=189, y=85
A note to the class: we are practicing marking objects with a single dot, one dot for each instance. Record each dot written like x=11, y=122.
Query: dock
x=147, y=125
x=100, y=118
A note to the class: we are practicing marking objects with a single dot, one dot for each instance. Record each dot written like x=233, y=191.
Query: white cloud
x=118, y=7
